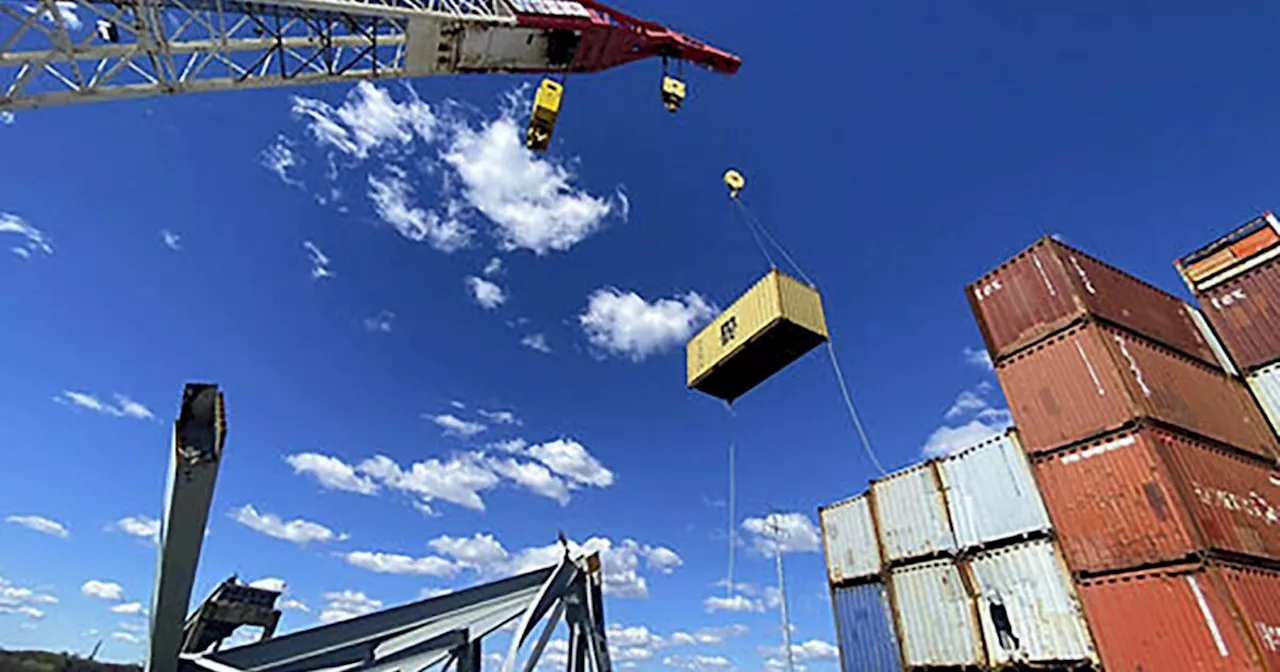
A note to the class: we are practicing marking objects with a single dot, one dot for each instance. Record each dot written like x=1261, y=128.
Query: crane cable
x=755, y=224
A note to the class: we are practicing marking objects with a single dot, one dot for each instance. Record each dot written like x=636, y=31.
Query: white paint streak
x=1043, y=276
x=1115, y=444
x=1133, y=366
x=1102, y=392
x=1209, y=620
x=1083, y=276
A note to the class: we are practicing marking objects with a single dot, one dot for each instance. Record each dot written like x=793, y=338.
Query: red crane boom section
x=610, y=38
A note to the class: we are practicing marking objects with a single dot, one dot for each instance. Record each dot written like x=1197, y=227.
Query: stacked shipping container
x=1153, y=460
x=950, y=564
x=1237, y=282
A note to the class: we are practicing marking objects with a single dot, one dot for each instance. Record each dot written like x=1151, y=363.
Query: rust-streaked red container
x=1167, y=620
x=1049, y=285
x=1148, y=495
x=1245, y=312
x=1094, y=378
x=1256, y=592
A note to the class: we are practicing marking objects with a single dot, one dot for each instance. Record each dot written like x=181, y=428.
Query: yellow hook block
x=735, y=181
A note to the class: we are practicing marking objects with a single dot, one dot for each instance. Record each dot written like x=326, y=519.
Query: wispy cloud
x=392, y=199
x=979, y=422
x=103, y=590
x=34, y=240
x=340, y=606
x=298, y=530
x=40, y=524
x=319, y=262
x=279, y=158
x=978, y=357
x=493, y=267
x=536, y=342
x=6, y=118
x=380, y=323
x=488, y=294
x=331, y=472
x=789, y=532
x=124, y=407
x=453, y=425
x=172, y=240
x=66, y=13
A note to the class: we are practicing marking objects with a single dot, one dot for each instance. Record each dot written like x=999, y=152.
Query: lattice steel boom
x=55, y=52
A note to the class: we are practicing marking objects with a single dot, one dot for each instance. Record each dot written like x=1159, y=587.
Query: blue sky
x=408, y=415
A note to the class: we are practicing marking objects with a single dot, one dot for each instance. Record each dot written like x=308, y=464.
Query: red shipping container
x=1093, y=378
x=1245, y=312
x=1166, y=620
x=1049, y=285
x=1256, y=593
x=1147, y=495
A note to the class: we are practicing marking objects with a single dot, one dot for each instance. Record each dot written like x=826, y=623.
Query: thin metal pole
x=782, y=594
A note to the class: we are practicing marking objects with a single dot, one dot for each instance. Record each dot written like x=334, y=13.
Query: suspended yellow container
x=546, y=109
x=775, y=323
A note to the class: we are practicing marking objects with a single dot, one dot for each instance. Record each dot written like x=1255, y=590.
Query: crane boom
x=57, y=52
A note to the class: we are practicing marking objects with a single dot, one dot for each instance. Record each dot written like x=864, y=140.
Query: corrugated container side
x=1161, y=620
x=751, y=313
x=801, y=304
x=991, y=493
x=1048, y=285
x=1114, y=504
x=849, y=537
x=1265, y=384
x=1027, y=606
x=1093, y=378
x=1233, y=499
x=1188, y=394
x=1215, y=343
x=1245, y=311
x=1237, y=252
x=1256, y=592
x=864, y=629
x=911, y=515
x=936, y=619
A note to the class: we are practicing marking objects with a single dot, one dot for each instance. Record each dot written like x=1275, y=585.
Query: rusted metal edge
x=920, y=559
x=895, y=612
x=1234, y=451
x=1235, y=609
x=1083, y=316
x=1061, y=557
x=968, y=552
x=1183, y=564
x=971, y=594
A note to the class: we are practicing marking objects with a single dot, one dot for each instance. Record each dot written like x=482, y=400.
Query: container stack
x=1236, y=279
x=951, y=564
x=1152, y=458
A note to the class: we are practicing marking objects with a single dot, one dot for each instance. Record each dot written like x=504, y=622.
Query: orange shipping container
x=1256, y=593
x=1147, y=495
x=1049, y=285
x=1167, y=620
x=1094, y=378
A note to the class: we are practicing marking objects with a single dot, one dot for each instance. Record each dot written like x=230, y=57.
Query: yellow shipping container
x=775, y=323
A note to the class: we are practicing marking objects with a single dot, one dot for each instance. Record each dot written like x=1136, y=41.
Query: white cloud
x=792, y=532
x=126, y=637
x=458, y=405
x=531, y=200
x=380, y=323
x=392, y=199
x=663, y=559
x=129, y=608
x=40, y=524
x=625, y=324
x=516, y=445
x=700, y=663
x=347, y=604
x=429, y=593
x=536, y=342
x=269, y=583
x=34, y=240
x=123, y=408
x=140, y=526
x=103, y=590
x=493, y=267
x=319, y=262
x=985, y=422
x=279, y=158
x=978, y=357
x=455, y=426
x=172, y=240
x=394, y=563
x=6, y=118
x=458, y=480
x=331, y=472
x=132, y=627
x=500, y=417
x=298, y=531
x=477, y=551
x=814, y=650
x=21, y=601
x=533, y=477
x=295, y=605
x=368, y=120
x=736, y=603
x=66, y=12
x=488, y=294
x=571, y=460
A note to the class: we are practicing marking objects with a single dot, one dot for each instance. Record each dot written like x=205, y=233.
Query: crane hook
x=735, y=181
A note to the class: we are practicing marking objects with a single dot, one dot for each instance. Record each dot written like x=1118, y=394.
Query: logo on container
x=1270, y=635
x=1253, y=504
x=729, y=330
x=1228, y=299
x=981, y=292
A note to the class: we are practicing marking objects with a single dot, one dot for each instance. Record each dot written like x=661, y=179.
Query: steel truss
x=56, y=52
x=443, y=632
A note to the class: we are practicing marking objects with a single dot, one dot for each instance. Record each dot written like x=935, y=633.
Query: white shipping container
x=936, y=620
x=849, y=537
x=1027, y=606
x=911, y=514
x=991, y=493
x=1265, y=383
